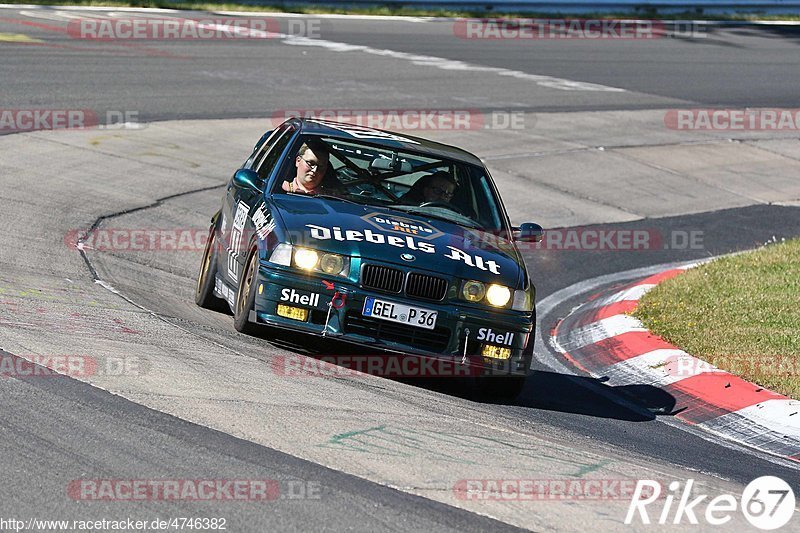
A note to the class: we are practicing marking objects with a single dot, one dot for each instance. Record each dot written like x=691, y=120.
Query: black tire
x=204, y=290
x=246, y=296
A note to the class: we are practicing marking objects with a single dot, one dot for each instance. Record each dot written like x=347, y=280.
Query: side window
x=488, y=215
x=262, y=147
x=267, y=163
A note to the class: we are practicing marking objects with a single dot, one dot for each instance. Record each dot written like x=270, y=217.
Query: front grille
x=382, y=278
x=424, y=286
x=435, y=340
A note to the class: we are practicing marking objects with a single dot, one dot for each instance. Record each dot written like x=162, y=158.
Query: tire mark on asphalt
x=99, y=220
x=755, y=143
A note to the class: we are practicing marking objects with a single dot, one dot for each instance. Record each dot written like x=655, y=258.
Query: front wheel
x=246, y=297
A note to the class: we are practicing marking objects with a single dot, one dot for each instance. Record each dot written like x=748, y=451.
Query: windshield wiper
x=369, y=200
x=469, y=224
x=333, y=197
x=325, y=196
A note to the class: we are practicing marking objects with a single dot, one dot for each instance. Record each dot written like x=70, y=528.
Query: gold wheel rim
x=248, y=282
x=206, y=263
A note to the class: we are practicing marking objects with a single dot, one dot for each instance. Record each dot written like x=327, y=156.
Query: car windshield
x=425, y=185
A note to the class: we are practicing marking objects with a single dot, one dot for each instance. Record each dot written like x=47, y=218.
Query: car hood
x=409, y=241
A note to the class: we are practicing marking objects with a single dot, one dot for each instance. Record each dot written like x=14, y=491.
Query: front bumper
x=459, y=335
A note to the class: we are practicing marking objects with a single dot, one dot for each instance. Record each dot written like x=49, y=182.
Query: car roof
x=385, y=139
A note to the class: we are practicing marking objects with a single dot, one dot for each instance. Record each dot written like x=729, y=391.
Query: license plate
x=400, y=313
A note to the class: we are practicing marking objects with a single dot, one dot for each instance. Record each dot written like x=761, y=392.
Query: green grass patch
x=740, y=313
x=400, y=10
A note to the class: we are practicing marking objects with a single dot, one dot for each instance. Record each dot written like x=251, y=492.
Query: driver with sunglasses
x=437, y=187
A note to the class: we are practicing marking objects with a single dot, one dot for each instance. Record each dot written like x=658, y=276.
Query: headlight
x=473, y=291
x=331, y=263
x=308, y=259
x=498, y=295
x=305, y=258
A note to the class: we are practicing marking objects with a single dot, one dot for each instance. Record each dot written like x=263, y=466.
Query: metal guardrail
x=573, y=6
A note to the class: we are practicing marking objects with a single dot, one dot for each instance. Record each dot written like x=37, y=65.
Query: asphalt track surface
x=198, y=410
x=180, y=79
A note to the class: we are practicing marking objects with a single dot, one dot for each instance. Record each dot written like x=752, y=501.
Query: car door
x=240, y=202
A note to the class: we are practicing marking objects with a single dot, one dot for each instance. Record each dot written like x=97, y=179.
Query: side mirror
x=528, y=232
x=248, y=179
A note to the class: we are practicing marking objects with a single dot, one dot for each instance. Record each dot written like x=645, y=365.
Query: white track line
x=454, y=65
x=550, y=82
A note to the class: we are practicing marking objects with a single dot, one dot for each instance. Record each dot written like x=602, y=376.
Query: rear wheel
x=204, y=291
x=246, y=296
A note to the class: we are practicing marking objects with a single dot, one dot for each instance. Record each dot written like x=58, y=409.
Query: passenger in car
x=437, y=187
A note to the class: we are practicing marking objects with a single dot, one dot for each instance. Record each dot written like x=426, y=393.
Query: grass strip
x=740, y=313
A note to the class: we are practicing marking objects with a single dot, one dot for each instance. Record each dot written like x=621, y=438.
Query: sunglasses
x=442, y=192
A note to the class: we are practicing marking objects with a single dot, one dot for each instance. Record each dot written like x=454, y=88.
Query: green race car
x=379, y=239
